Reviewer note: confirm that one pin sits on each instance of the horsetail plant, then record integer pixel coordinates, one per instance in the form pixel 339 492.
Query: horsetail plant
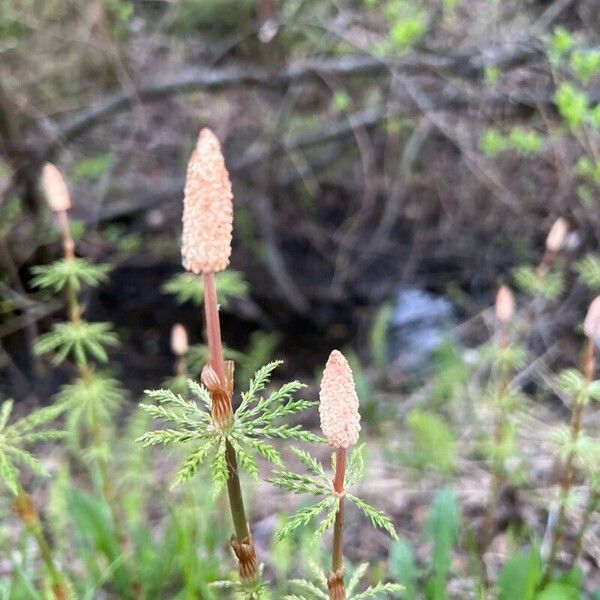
pixel 13 439
pixel 340 424
pixel 91 400
pixel 92 396
pixel 572 442
pixel 542 282
pixel 507 358
pixel 179 347
pixel 504 356
pixel 225 436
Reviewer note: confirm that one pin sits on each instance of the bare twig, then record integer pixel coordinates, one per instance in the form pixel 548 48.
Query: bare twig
pixel 467 64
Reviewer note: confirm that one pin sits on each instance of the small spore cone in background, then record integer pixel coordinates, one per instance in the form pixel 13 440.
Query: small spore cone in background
pixel 505 304
pixel 591 325
pixel 557 235
pixel 55 189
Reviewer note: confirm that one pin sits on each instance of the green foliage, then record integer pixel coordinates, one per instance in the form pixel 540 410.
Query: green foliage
pixel 327 506
pixel 378 336
pixel 214 17
pixel 573 383
pixel 259 351
pixel 492 74
pixel 121 12
pixel 408 23
pixel 10 212
pixel 307 590
pixel 69 273
pixel 15 437
pixel 407 31
pixel 341 100
pixel 586 64
pixel 244 590
pixel 588 269
pixel 567 446
pixel 403 568
pixel 505 358
pixel 520 576
pixel 549 286
pixel 450 374
pixel 493 142
pixel 589 168
pixel 434 444
pixel 524 142
pixel 562 41
pixel 187 287
pixel 125 241
pixel 589 449
pixel 572 104
pixel 377 519
pixel 317 484
pixel 441 528
pixel 96 536
pixel 80 339
pixel 90 401
pixel 94 167
pixel 257 418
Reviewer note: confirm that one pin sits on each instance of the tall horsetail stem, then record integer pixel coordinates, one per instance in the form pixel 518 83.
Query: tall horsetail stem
pixel 340 423
pixel 591 328
pixel 57 195
pixel 206 248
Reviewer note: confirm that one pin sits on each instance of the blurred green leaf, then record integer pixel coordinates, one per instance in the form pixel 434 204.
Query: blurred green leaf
pixel 572 104
pixel 92 168
pixel 403 568
pixel 441 528
pixel 520 576
pixel 434 445
pixel 562 41
pixel 586 64
pixel 407 31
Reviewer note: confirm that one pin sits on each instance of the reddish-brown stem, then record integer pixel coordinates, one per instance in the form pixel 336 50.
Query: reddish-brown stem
pixel 340 470
pixel 213 327
pixel 69 252
pixel 243 545
pixel 338 527
pixel 65 227
pixel 335 579
pixel 588 367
